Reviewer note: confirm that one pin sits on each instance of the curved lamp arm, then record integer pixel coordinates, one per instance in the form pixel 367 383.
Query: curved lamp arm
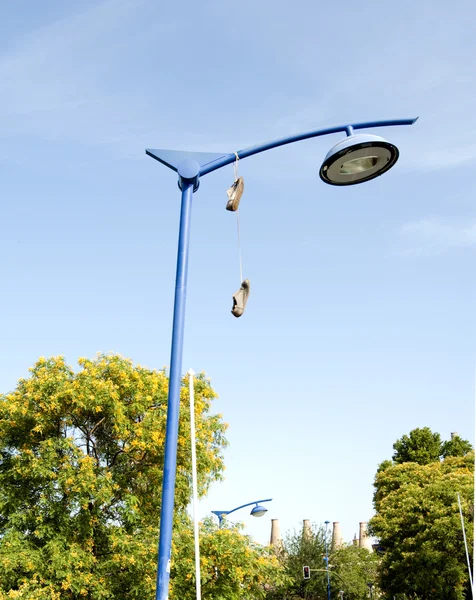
pixel 208 162
pixel 222 513
pixel 230 158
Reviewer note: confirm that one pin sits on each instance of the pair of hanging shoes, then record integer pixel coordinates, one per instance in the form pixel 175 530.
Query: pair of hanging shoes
pixel 240 299
pixel 234 194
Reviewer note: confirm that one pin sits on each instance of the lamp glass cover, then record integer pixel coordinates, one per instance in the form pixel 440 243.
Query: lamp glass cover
pixel 358 165
pixel 258 511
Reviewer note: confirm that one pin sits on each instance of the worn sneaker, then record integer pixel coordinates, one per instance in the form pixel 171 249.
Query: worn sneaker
pixel 240 299
pixel 234 194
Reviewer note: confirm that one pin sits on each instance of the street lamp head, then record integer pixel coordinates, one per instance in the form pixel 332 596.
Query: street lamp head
pixel 258 511
pixel 358 158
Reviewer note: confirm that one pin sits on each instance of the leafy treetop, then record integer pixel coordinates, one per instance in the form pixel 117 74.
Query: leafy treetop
pixel 81 458
pixel 422 446
pixel 233 566
pixel 417 519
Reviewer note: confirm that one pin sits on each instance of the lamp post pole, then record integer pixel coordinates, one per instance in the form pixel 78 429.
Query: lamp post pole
pixel 327 565
pixel 175 377
pixel 190 166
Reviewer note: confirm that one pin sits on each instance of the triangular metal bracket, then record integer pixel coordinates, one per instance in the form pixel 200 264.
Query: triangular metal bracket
pixel 172 158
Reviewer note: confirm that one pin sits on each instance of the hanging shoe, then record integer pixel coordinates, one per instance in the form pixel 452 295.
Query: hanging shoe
pixel 234 194
pixel 240 299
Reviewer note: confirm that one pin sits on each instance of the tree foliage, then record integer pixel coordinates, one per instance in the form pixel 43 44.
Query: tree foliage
pixel 307 547
pixel 421 446
pixel 350 568
pixel 300 548
pixel 81 458
pixel 353 569
pixel 233 566
pixel 456 446
pixel 417 522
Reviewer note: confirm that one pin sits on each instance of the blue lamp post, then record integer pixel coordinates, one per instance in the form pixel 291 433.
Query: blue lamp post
pixel 327 565
pixel 256 511
pixel 355 159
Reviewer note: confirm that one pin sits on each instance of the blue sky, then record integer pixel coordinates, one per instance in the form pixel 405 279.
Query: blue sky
pixel 360 325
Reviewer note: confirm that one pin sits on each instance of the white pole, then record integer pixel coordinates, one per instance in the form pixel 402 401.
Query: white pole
pixel 465 543
pixel 194 484
pixel 474 482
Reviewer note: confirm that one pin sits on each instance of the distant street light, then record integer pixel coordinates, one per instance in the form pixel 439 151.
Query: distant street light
pixel 327 566
pixel 256 511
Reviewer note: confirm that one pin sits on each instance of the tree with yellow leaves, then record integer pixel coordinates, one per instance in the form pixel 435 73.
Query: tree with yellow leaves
pixel 81 459
pixel 233 566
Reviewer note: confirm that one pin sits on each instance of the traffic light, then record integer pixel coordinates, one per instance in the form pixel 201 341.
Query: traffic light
pixel 306 572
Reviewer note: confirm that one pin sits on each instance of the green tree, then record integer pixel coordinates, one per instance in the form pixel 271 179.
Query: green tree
pixel 418 525
pixel 81 457
pixel 353 568
pixel 421 446
pixel 300 548
pixel 233 566
pixel 456 446
pixel 350 568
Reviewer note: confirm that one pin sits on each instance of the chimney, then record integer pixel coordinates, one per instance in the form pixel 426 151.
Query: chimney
pixel 337 539
pixel 306 529
pixel 275 540
pixel 364 540
pixel 355 541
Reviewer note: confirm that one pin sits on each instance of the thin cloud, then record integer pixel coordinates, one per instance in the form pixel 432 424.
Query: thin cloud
pixel 434 236
pixel 435 151
pixel 56 81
